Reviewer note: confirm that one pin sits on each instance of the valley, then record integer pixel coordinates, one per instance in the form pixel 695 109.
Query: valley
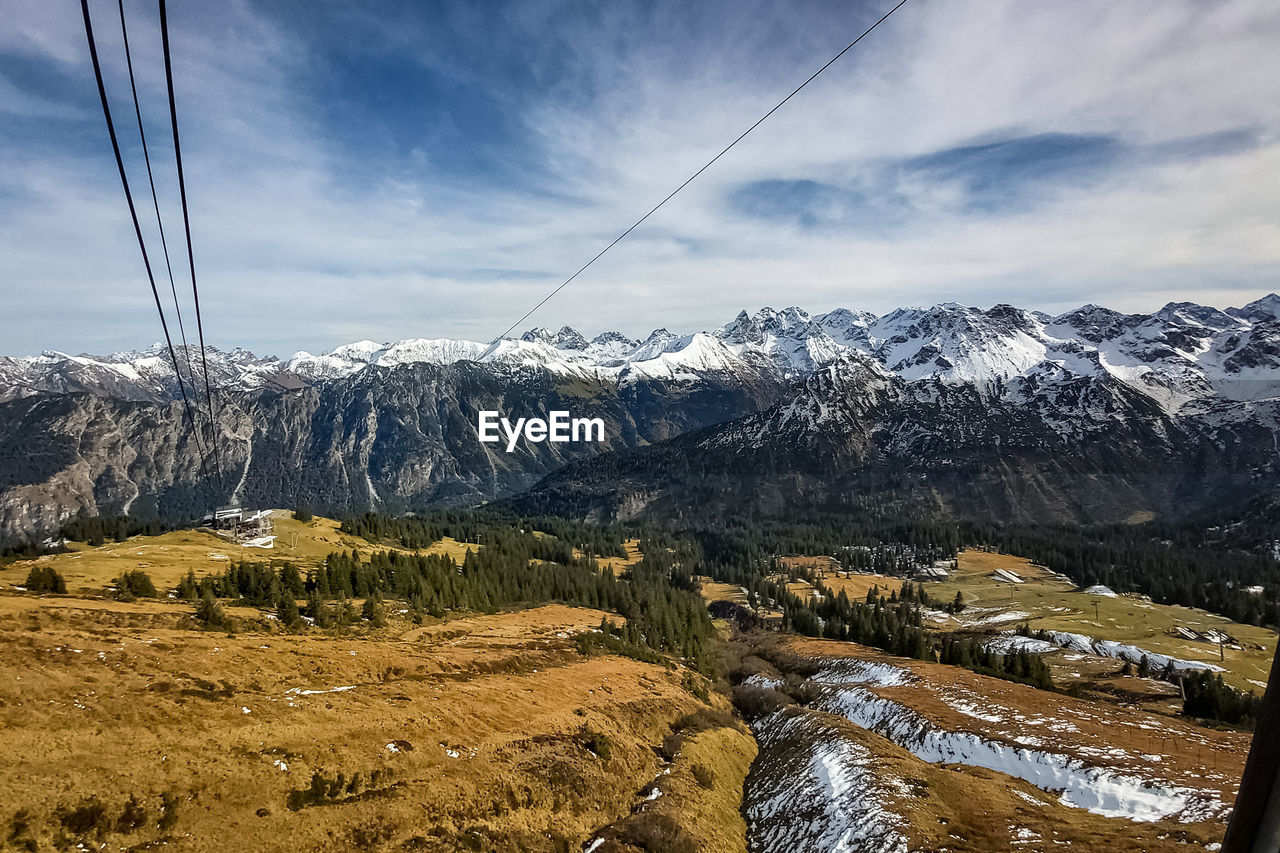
pixel 642 427
pixel 134 723
pixel 1127 625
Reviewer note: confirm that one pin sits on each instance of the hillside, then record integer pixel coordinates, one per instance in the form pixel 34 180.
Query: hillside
pixel 127 724
pixel 888 754
pixel 449 697
pixel 1123 626
pixel 1078 450
pixel 393 440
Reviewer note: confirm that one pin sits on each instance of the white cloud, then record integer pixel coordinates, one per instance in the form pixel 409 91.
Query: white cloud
pixel 299 245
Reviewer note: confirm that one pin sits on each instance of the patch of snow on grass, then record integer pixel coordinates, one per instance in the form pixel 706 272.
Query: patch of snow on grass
pixel 1006 616
pixel 297 691
pixel 1099 589
pixel 852 671
pixel 1012 643
pixel 969 705
pixel 1124 651
pixel 1023 795
pixel 824 797
pixel 1096 789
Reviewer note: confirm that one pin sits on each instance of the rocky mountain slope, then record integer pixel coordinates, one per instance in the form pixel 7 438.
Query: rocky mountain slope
pixel 1053 446
pixel 1091 414
pixel 386 439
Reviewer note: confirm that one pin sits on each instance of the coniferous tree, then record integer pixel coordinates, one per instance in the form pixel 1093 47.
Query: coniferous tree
pixel 210 613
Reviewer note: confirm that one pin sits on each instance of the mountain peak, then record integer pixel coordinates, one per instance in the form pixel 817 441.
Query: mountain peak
pixel 1259 310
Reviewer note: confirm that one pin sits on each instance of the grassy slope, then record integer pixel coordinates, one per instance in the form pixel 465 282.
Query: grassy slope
pixel 107 700
pixel 1055 604
pixel 166 558
pixel 965 808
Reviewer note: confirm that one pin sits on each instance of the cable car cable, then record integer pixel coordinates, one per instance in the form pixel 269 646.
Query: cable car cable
pixel 690 179
pixel 186 224
pixel 146 156
pixel 137 230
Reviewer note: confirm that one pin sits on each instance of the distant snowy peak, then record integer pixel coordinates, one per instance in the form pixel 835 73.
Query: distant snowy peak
pixel 790 338
pixel 567 338
pixel 849 328
pixel 1260 310
pixel 1181 355
pixel 1190 314
pixel 610 346
pixel 957 343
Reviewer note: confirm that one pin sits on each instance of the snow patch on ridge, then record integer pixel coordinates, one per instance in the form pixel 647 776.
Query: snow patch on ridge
pixel 1124 651
pixel 823 798
pixel 1096 789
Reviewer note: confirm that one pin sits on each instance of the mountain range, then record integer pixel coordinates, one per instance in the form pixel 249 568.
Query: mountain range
pixel 1089 415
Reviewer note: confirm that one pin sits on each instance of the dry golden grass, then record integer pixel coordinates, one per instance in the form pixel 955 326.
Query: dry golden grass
pixel 1055 604
pixel 711 816
pixel 965 808
pixel 168 557
pixel 820 562
pixel 717 591
pixel 477 730
pixel 619 564
pixel 857 586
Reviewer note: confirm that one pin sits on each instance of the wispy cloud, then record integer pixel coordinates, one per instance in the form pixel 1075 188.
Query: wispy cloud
pixel 385 170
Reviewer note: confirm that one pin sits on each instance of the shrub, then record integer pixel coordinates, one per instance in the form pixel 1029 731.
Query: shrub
pixel 86 818
pixel 373 612
pixel 20 833
pixel 704 775
pixel 302 514
pixel 134 583
pixel 133 817
pixel 1207 696
pixel 210 613
pixel 168 811
pixel 598 743
pixel 188 588
pixel 373 833
pixel 754 702
pixel 748 666
pixel 589 643
pixel 287 611
pixel 654 832
pixel 45 579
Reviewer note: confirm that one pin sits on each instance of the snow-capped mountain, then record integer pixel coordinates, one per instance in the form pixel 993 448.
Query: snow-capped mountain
pixel 1049 445
pixel 145 375
pixel 1182 355
pixel 1091 414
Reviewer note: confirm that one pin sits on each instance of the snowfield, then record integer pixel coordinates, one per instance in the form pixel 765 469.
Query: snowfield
pixel 853 671
pixel 1179 357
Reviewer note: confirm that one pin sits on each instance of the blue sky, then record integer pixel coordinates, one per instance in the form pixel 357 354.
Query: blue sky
pixel 392 170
